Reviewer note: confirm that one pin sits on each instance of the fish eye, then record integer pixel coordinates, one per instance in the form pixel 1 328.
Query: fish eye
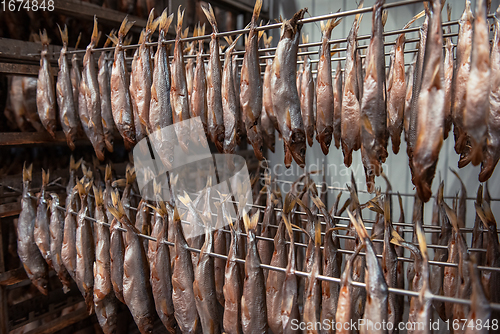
pixel 255 123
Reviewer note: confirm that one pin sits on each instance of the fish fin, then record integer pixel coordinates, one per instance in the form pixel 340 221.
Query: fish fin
pixel 290 201
pixel 141 40
pixel 201 31
pixel 108 174
pixel 152 23
pixel 359 226
pixel 180 20
pixel 373 206
pixel 27 172
pixel 44 38
pixel 250 223
pixel 45 177
pixel 128 40
pixel 98 195
pixel 422 243
pixel 120 183
pixel 130 174
pixel 209 13
pixel 396 239
pixel 125 27
pixel 78 40
pixel 385 13
pixel 95 33
pixel 113 39
pixel 64 34
pixel 256 11
pixel 108 40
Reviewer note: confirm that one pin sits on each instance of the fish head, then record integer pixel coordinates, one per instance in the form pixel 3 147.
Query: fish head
pixel 298 147
pixel 254 135
pixel 42 284
pixel 423 174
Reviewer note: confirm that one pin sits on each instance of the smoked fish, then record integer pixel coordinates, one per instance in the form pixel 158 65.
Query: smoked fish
pixel 477 102
pixel 215 113
pixel 41 231
pixel 267 97
pixel 480 312
pixel 104 79
pixel 337 104
pixel 198 101
pixel 68 250
pixel 121 103
pixel 307 94
pixel 430 108
pixel 90 110
pixel 286 101
pixel 56 228
pixel 324 90
pixel 45 94
pixel 373 119
pixel 178 90
pixel 491 153
pixel 76 77
pixel 29 254
pixel 67 110
pixel 251 85
pixel 350 111
pixel 448 77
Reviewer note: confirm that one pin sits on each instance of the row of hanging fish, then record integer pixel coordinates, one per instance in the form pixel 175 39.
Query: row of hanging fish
pixel 95 242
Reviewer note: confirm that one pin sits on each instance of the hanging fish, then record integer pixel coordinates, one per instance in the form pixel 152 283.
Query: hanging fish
pixel 104 79
pixel 220 247
pixel 324 90
pixel 312 294
pixel 267 97
pixel 251 85
pixel 477 102
pixel 161 271
pixel 215 114
pixel 350 112
pixel 121 104
pixel 41 231
pixel 141 79
pixel 337 104
pixel 410 73
pixel 89 105
pixel 430 107
pixel 461 77
pixel 56 240
pixel 117 253
pixel 373 119
pixel 265 247
pixel 178 90
pixel 160 111
pixel 105 302
pixel 190 65
pixel 76 77
pixel 491 153
pixel 307 95
pixel 29 254
pixel 136 287
pixel 397 89
pixel 45 94
pixel 448 77
pixel 67 110
pixel 480 311
pixel 68 250
pixel 286 102
pixel 199 94
pixel 231 115
pixel 478 240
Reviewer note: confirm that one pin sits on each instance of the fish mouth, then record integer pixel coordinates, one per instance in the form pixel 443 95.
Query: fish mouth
pixel 487 167
pixel 422 179
pixel 298 147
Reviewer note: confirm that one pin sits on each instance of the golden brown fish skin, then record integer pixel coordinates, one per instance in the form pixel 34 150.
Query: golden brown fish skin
pixel 76 77
pixel 430 109
pixel 461 76
pixel 350 111
pixel 64 92
pixel 253 301
pixel 142 221
pixel 374 133
pixel 286 102
pixel 215 113
pixel 408 97
pixel 29 254
pixel 312 295
pixel 275 280
pixel 190 70
pixel 233 287
pixel 45 94
pixel 230 113
pixel 307 99
pixel 89 87
pixel 105 302
pixel 337 104
pixel 41 231
pixel 324 91
pixel 220 246
pixel 264 247
pixel 477 102
pixel 242 132
pixel 251 86
pixel 68 250
pixel 121 104
pixel 179 91
pixel 491 153
pixel 136 285
pixel 199 94
pixel 85 251
pixel 104 79
pixel 289 304
pixel 142 78
pixel 344 304
pixel 480 311
pixel 448 80
pixel 117 253
pixel 161 281
pixel 182 284
pixel 56 240
pixel 267 98
pixel 268 130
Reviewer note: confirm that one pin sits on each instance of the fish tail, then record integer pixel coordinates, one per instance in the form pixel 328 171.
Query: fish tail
pixel 358 225
pixel 201 30
pixel 125 27
pixel 209 13
pixel 165 21
pixel 108 39
pixel 27 172
pixel 358 17
pixel 152 23
pixel 44 38
pixel 452 216
pixel 317 233
pixel 422 243
pixel 108 174
pixel 113 38
pixel 180 20
pixel 251 223
pixel 45 177
pixel 74 165
pixel 64 34
pixel 416 17
pixel 99 199
pixel 95 33
pixel 476 153
pixel 142 36
pixel 256 12
pixel 130 174
pixel 78 40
